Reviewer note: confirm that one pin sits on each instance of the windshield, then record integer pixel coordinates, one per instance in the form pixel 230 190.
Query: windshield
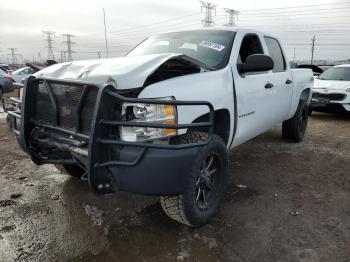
pixel 336 73
pixel 211 47
pixel 2 72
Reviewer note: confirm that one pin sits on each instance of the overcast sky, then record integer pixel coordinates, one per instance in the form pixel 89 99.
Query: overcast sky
pixel 130 21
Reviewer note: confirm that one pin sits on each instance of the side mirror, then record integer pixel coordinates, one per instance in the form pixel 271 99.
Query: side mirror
pixel 256 63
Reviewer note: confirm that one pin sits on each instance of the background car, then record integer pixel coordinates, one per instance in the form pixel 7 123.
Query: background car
pixel 6 83
pixel 21 73
pixel 6 68
pixel 332 90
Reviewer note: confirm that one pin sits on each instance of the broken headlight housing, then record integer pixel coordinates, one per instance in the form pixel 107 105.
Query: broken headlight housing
pixel 152 113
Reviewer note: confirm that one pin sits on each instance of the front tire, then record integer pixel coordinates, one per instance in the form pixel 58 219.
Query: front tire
pixel 294 128
pixel 206 185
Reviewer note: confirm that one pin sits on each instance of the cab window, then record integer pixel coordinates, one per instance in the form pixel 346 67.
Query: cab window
pixel 275 52
pixel 251 45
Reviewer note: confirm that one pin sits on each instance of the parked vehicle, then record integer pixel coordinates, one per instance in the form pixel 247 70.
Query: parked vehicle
pixel 14 67
pixel 6 68
pixel 160 120
pixel 19 75
pixel 6 85
pixel 332 91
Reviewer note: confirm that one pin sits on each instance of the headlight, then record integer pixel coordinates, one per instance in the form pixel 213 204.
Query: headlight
pixel 153 113
pixel 348 90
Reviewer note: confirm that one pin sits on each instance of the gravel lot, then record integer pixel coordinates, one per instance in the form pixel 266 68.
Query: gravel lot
pixel 285 202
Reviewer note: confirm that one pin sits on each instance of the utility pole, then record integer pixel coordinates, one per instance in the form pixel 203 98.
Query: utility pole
pixel 49 35
pixel 313 40
pixel 294 55
pixel 104 22
pixel 209 9
pixel 69 46
pixel 13 55
pixel 232 16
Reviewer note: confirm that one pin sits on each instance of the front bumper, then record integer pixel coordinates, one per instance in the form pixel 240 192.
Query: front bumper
pixel 12 106
pixel 327 103
pixel 111 164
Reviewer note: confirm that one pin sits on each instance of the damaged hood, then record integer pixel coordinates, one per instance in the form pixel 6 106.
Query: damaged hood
pixel 122 72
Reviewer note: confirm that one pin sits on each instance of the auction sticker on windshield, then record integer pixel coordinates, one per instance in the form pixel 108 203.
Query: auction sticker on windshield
pixel 212 45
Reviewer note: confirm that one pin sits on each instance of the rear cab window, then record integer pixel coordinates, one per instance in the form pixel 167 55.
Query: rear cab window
pixel 275 52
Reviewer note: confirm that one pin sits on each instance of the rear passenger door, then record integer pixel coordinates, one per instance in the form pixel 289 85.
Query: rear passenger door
pixel 280 78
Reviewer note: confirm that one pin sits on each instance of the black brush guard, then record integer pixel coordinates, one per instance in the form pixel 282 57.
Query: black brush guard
pixel 12 106
pixel 112 164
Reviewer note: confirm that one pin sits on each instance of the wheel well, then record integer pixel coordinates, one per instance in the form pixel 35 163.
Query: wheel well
pixel 305 95
pixel 221 123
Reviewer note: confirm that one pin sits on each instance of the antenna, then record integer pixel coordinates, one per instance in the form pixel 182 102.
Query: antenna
pixel 13 55
pixel 209 8
pixel 104 22
pixel 232 16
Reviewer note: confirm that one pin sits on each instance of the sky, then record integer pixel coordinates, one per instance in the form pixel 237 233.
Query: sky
pixel 128 22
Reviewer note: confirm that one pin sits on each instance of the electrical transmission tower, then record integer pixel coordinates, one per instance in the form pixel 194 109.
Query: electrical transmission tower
pixel 69 43
pixel 13 55
pixel 232 16
pixel 49 40
pixel 209 9
pixel 313 40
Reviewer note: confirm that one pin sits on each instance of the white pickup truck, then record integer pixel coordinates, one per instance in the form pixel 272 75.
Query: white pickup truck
pixel 160 120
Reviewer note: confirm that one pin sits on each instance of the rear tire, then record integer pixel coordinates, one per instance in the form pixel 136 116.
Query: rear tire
pixel 71 170
pixel 206 185
pixel 294 128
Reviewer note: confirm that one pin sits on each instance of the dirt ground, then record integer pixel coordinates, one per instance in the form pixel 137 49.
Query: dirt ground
pixel 285 202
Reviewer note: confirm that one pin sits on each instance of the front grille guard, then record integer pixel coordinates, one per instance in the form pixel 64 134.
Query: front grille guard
pixel 12 107
pixel 99 162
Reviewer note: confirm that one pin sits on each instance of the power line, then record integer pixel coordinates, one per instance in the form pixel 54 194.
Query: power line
pixel 296 11
pixel 323 44
pixel 153 24
pixel 69 46
pixel 281 17
pixel 209 9
pixel 292 7
pixel 49 35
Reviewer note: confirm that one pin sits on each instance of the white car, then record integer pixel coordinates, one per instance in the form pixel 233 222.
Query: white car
pixel 332 90
pixel 19 75
pixel 160 120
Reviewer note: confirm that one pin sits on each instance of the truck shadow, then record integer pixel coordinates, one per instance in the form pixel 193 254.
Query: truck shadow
pixel 129 227
pixel 330 116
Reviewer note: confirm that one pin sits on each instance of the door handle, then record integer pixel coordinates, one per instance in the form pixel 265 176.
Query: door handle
pixel 288 82
pixel 268 85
